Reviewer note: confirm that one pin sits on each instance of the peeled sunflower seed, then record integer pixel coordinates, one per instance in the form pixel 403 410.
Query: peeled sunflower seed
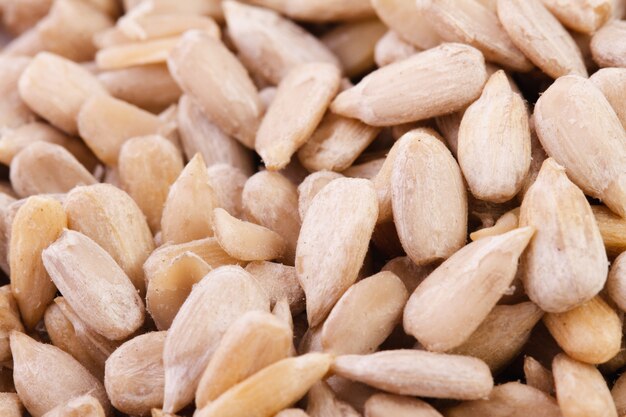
pixel 616 282
pixel 13 111
pixel 384 405
pixel 319 11
pixel 457 80
pixel 9 321
pixel 141 28
pixel 537 376
pixel 134 374
pixel 618 394
pixel 225 92
pixel 584 16
pixel 127 55
pixel 10 405
pixel 608 45
pixel 220 298
pixel 94 285
pixel 418 373
pixel 410 274
pixel 408 21
pixel 428 198
pixel 46 377
pixel 612 228
pixel 392 48
pixel 381 299
pixel 292 412
pixel 568 130
pixel 83 406
pixel 194 7
pixel 19 17
pixel 271 389
pixel 55 88
pixel 612 82
pixel 311 186
pixel 253 342
pixel 227 182
pixel 322 402
pixel 36 225
pixel 473 279
pixel 333 242
pixel 565 264
pixel 271 44
pixel 280 282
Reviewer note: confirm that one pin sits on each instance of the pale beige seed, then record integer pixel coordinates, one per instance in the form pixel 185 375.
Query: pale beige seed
pixel 537 376
pixel 94 285
pixel 83 406
pixel 385 405
pixel 333 241
pixel 470 22
pixel 449 126
pixel 311 186
pixel 55 88
pixel 505 223
pixel 353 43
pixel 580 389
pixel 502 335
pixel 150 87
pixel 253 342
pixel 353 393
pixel 47 168
pixel 319 11
pixel 574 120
pixel 134 374
pixel 584 16
pixel 322 402
pixel 365 315
pixel 169 286
pixel 271 389
pixel 110 37
pixel 616 282
pixel 292 412
pixel 410 274
pixel 271 200
pixel 13 111
pixel 608 45
pixel 538 156
pixel 106 123
pixel 199 134
pixel 37 224
pixel 18 17
pixel 113 220
pixel 148 165
pixel 206 70
pixel 565 264
pixel 127 55
pixel 537 33
pixel 280 282
pixel 301 100
pixel 428 198
pixel 418 373
pixel 512 399
pixel 392 48
pixel 409 21
pixel 27 44
pixel 68 29
pixel 612 83
pixel 227 183
pixel 473 280
pixel 156 412
pixel 366 170
pixel 187 213
pixel 145 27
pixel 618 392
pixel 442 80
pixel 244 240
pixel 271 44
pixel 336 143
pixel 194 7
pixel 10 405
pixel 590 333
pixel 494 146
pixel 220 298
pixel 9 321
pixel 46 377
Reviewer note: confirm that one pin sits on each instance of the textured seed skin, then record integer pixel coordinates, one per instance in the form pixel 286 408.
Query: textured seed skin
pixel 565 263
pixel 428 199
pixel 612 82
pixel 408 21
pixel 333 242
pixel 608 46
pixel 311 186
pixel 584 16
pixel 392 48
pixel 474 279
pixel 574 120
pixel 10 405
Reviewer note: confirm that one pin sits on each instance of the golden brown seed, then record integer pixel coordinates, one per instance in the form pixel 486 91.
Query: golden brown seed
pixel 502 335
pixel 46 377
pixel 224 92
pixel 619 395
pixel 322 402
pixel 580 389
pixel 37 224
pixel 428 198
pixel 301 100
pixel 148 165
pixel 271 389
pixel 13 111
pixel 319 11
pixel 134 374
pixel 537 376
pixel 473 280
pixel 227 182
pixel 84 406
pixel 616 282
pixel 270 44
pixel 392 48
pixel 608 46
pixel 505 223
pixel 418 373
pixel 612 228
pixel 383 97
pixel 94 285
pixel 10 405
pixel 333 242
pixel 253 342
pixel 220 298
pixel 199 134
pixel 379 298
pixel 565 264
pixel 280 282
pixel 573 120
pixel 512 399
pixel 612 82
pixel 584 16
pixel 590 333
pixel 55 88
pixel 9 321
pixel 384 405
